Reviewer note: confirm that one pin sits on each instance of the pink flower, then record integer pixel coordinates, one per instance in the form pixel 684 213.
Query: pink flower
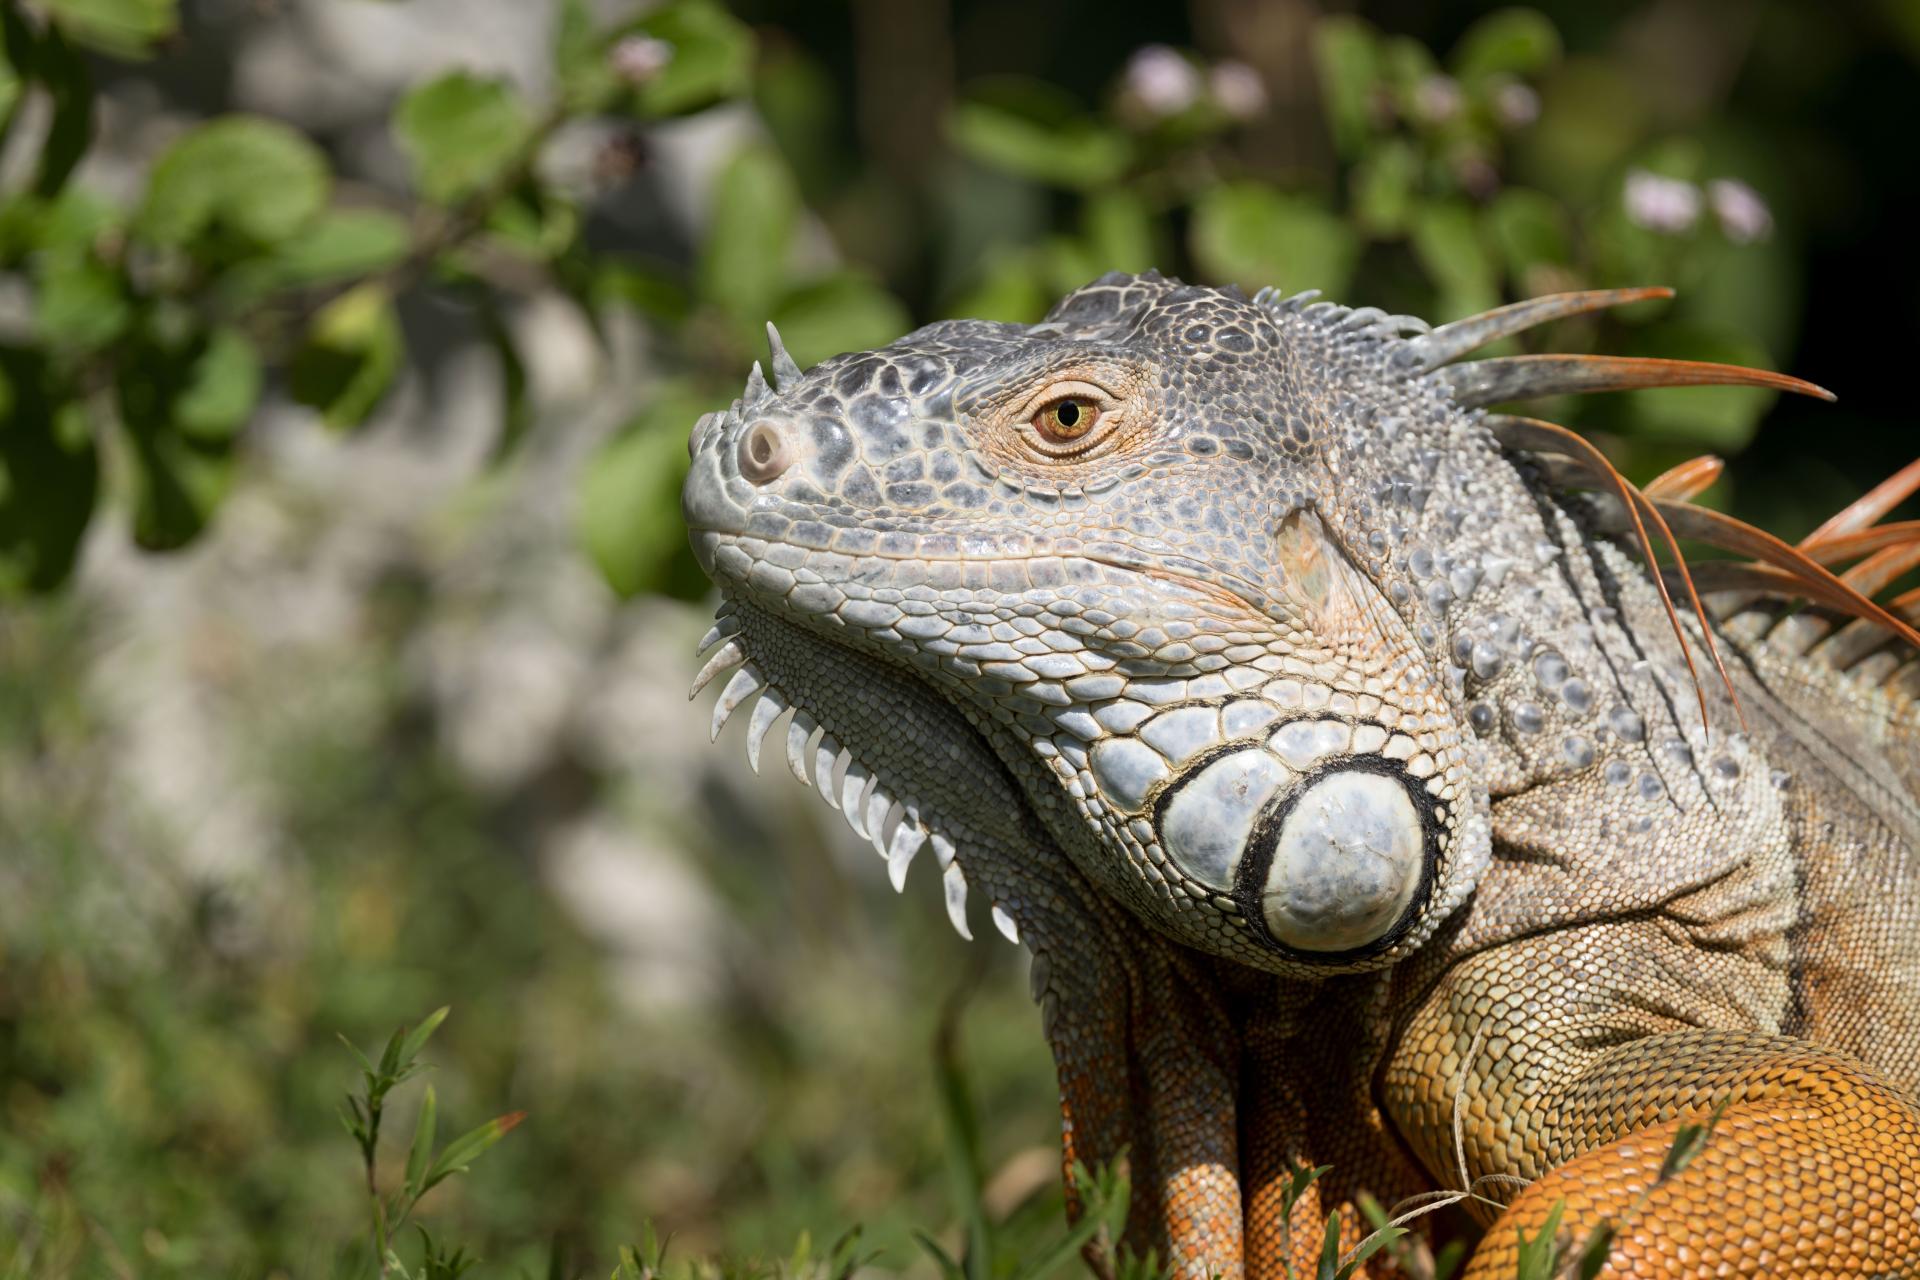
pixel 638 59
pixel 1516 104
pixel 1238 90
pixel 1666 205
pixel 1162 81
pixel 1743 215
pixel 1437 99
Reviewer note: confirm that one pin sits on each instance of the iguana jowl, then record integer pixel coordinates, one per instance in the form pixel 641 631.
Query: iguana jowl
pixel 1344 774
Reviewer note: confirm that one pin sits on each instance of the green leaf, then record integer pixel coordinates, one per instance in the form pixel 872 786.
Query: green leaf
pixel 1717 419
pixel 242 174
pixel 844 312
pixel 1253 235
pixel 1328 1267
pixel 80 303
pixel 1539 1255
pixel 465 1149
pixel 962 1147
pixel 1531 230
pixel 49 474
pixel 1032 129
pixel 650 291
pixel 743 262
pixel 1515 42
pixel 1009 290
pixel 63 71
pixel 1448 246
pixel 1593 1256
pixel 538 223
pixel 223 386
pixel 420 1156
pixel 178 486
pixel 124 28
pixel 949 1269
pixel 1384 183
pixel 1346 54
pixel 340 245
pixel 1374 1243
pixel 1100 1190
pixel 350 357
pixel 1119 231
pixel 629 512
pixel 460 131
pixel 1690 1140
pixel 16 63
pixel 516 412
pixel 416 1039
pixel 580 54
pixel 712 58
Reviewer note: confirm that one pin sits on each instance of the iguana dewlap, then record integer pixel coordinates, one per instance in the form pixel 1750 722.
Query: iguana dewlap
pixel 1345 774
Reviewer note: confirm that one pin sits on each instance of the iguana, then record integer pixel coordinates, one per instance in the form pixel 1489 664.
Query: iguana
pixel 1335 746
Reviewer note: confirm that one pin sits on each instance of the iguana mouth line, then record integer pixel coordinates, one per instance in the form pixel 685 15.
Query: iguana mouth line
pixel 1235 593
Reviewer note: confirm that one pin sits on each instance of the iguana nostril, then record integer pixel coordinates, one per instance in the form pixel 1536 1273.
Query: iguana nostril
pixel 764 453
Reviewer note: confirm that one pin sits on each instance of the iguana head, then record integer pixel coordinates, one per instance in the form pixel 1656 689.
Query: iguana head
pixel 1167 554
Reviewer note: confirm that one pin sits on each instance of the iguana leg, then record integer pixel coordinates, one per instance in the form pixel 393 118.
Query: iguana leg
pixel 1148 1063
pixel 1306 1102
pixel 1813 1168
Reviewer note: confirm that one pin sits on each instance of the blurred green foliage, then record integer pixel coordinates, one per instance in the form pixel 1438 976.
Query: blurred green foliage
pixel 1449 183
pixel 168 1091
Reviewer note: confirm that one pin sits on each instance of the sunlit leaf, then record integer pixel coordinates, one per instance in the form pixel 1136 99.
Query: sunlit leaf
pixel 16 63
pixel 342 244
pixel 629 514
pixel 80 302
pixel 1119 230
pixel 844 312
pixel 712 58
pixel 1384 187
pixel 178 486
pixel 1450 249
pixel 1032 129
pixel 743 261
pixel 242 174
pixel 351 354
pixel 1254 235
pixel 1009 290
pixel 1531 229
pixel 1346 55
pixel 125 28
pixel 1715 419
pixel 420 1154
pixel 465 1149
pixel 460 130
pixel 223 386
pixel 1509 41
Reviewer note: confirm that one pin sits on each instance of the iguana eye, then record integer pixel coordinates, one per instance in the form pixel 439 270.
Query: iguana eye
pixel 1067 419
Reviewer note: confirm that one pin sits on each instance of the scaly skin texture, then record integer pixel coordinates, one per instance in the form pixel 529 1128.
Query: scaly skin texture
pixel 1345 779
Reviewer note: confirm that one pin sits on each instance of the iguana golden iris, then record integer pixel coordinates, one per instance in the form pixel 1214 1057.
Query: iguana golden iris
pixel 1337 750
